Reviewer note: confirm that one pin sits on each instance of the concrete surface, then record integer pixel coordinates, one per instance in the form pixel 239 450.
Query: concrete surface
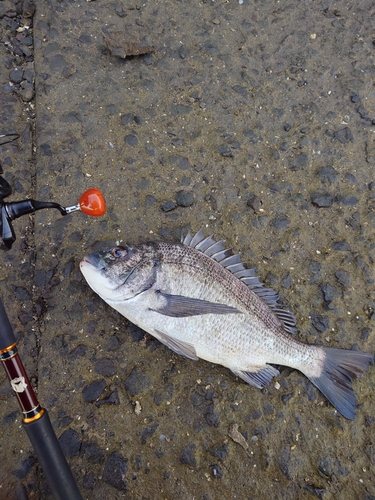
pixel 253 120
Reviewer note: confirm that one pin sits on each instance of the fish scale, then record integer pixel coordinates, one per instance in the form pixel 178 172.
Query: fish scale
pixel 200 300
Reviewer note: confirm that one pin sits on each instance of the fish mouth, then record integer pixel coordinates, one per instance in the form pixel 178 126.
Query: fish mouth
pixel 94 261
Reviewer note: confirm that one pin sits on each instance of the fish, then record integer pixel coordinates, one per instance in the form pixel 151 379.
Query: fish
pixel 199 299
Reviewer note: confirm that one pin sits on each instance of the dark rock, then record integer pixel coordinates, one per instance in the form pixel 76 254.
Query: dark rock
pixel 300 161
pixel 21 293
pixel 216 471
pixel 284 462
pixel 210 395
pixel 329 467
pixel 199 167
pixel 137 382
pixel 78 352
pixel 20 491
pixel 365 334
pixel 239 89
pixel 254 202
pixel 148 432
pixel 320 323
pixel 363 113
pixel 16 75
pixel 25 318
pixel 322 200
pixel 136 333
pixel 342 246
pixel 329 292
pixel 114 471
pixel 287 281
pixel 88 481
pixel 94 454
pixel 105 367
pixel 187 455
pixel 254 415
pixel 197 399
pixel 325 468
pixel 275 154
pixel 344 136
pixel 27 93
pixel 112 399
pixel 57 63
pixel 28 9
pixel 127 119
pixel 164 395
pixel 70 443
pixel 211 417
pixel 168 206
pixel 328 175
pixel 226 151
pixel 343 277
pixel 93 391
pixel 150 200
pixel 184 199
pixel 221 453
pixel 46 148
pixel 72 117
pixel 250 134
pixel 268 409
pixel 26 465
pixel 259 430
pixel 51 48
pixel 180 109
pixel 351 178
pixel 180 161
pixel 182 51
pixel 131 140
pixel 355 98
pixel 65 421
pixel 348 200
pixel 281 222
pixel 285 397
pixel 10 418
pixel 287 127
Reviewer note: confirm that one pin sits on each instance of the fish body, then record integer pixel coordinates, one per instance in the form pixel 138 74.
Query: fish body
pixel 200 300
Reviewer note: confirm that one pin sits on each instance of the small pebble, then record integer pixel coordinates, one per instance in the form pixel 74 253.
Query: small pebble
pixel 184 199
pixel 115 468
pixel 93 391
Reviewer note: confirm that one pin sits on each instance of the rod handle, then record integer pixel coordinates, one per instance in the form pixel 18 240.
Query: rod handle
pixel 48 450
pixel 7 337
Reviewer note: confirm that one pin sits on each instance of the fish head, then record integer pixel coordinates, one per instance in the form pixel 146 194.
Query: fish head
pixel 119 273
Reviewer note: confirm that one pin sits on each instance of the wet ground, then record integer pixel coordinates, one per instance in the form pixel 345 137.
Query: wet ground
pixel 253 120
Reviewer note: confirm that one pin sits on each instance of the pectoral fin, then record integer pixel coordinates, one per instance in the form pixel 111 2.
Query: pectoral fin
pixel 178 306
pixel 178 346
pixel 260 376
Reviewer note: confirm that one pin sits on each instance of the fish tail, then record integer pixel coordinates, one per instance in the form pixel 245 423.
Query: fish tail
pixel 340 368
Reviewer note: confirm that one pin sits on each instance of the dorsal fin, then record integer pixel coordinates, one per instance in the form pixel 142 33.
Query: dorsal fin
pixel 232 262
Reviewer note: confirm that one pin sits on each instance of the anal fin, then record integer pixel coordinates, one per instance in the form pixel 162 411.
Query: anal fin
pixel 258 376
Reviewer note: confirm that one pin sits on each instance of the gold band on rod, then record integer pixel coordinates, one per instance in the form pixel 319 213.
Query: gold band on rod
pixel 35 417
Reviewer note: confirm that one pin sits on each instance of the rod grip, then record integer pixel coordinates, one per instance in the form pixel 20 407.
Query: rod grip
pixel 55 467
pixel 7 337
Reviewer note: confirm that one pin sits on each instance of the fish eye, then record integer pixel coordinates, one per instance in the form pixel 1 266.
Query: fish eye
pixel 119 252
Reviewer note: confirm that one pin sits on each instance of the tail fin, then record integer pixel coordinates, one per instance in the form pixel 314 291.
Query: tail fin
pixel 340 368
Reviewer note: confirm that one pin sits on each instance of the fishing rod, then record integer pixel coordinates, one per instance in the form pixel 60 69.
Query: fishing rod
pixel 36 421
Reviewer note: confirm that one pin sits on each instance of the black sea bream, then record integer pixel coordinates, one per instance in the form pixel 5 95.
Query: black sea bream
pixel 198 299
